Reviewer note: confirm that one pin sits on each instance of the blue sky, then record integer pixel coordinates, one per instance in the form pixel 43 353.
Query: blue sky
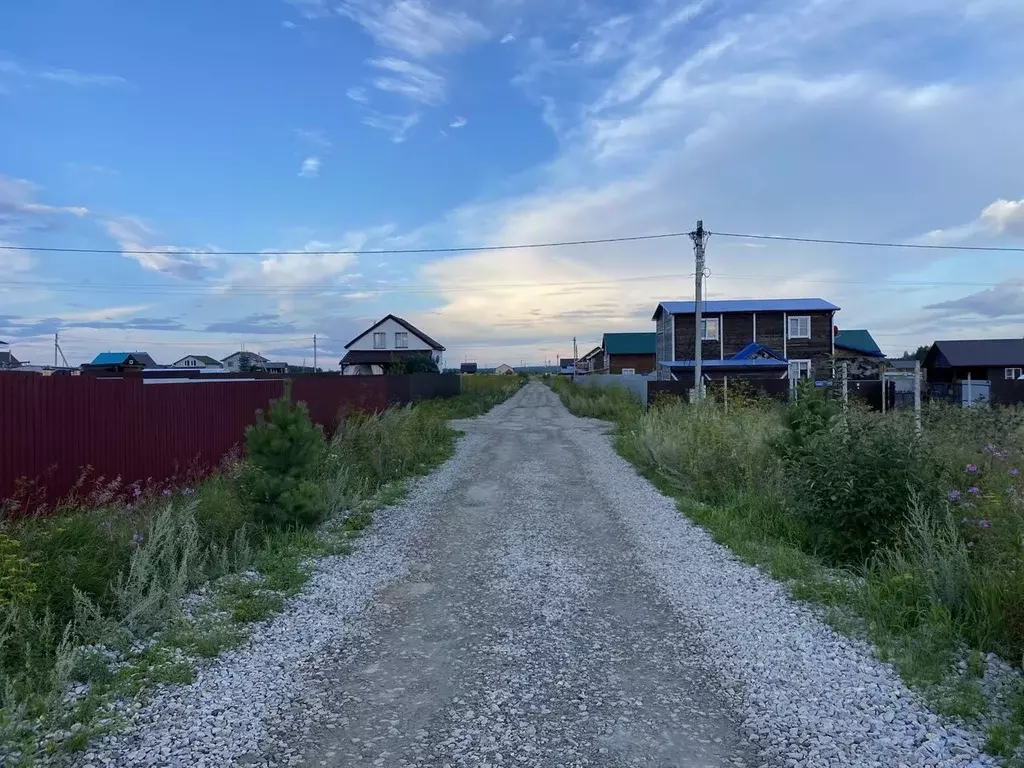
pixel 266 125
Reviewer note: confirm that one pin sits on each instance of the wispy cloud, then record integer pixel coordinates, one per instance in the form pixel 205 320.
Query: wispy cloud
pixel 358 94
pixel 311 9
pixel 133 234
pixel 508 38
pixel 397 126
pixel 414 81
pixel 1005 300
pixel 70 77
pixel 458 122
pixel 414 27
pixel 310 168
pixel 314 138
pixel 20 211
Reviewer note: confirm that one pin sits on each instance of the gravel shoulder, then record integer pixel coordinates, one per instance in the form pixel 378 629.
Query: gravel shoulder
pixel 535 602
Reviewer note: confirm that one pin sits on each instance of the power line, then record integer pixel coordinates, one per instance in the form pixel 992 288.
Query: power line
pixel 872 243
pixel 509 246
pixel 255 290
pixel 373 252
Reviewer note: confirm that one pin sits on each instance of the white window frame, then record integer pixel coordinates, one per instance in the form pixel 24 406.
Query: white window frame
pixel 380 340
pixel 629 371
pixel 1013 373
pixel 797 335
pixel 704 335
pixel 799 366
pixel 401 339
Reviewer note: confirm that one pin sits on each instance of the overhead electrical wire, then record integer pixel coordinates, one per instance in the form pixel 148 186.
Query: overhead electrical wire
pixel 511 246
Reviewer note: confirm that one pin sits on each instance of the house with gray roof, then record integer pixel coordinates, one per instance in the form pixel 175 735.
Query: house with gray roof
pixel 979 359
pixel 194 362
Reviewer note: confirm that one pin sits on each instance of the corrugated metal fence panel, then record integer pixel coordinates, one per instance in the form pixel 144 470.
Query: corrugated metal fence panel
pixel 328 396
pixel 54 427
pixel 190 425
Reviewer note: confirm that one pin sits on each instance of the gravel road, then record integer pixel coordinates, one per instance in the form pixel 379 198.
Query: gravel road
pixel 536 603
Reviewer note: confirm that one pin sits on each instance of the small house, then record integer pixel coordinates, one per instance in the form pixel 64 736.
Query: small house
pixel 964 370
pixel 7 359
pixel 504 370
pixel 468 369
pixel 119 362
pixel 194 362
pixel 387 344
pixel 858 350
pixel 592 362
pixel 629 353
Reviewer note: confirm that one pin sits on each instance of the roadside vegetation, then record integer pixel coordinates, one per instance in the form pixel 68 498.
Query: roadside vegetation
pixel 128 587
pixel 912 540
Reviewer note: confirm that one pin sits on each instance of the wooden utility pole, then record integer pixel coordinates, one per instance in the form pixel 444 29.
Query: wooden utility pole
pixel 314 354
pixel 700 239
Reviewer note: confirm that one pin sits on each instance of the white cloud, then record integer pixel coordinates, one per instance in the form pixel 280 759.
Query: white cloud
pixel 755 122
pixel 458 122
pixel 310 168
pixel 20 211
pixel 1002 217
pixel 396 126
pixel 413 27
pixel 135 238
pixel 358 95
pixel 508 38
pixel 414 81
pixel 289 25
pixel 70 77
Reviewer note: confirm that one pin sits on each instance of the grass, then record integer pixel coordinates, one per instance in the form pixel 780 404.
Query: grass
pixel 914 542
pixel 114 574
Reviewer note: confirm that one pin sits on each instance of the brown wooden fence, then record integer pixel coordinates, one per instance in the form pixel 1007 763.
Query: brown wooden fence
pixel 56 429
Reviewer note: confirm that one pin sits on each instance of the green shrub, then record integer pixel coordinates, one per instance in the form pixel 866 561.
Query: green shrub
pixel 852 479
pixel 284 449
pixel 16 583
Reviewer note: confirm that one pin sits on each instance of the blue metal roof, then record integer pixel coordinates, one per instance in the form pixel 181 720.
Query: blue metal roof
pixel 725 306
pixel 756 362
pixel 110 358
pixel 752 349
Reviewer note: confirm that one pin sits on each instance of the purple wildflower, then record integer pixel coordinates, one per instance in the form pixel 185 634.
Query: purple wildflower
pixel 1014 472
pixel 187 491
pixel 137 539
pixel 972 469
pixel 136 491
pixel 984 524
pixel 167 491
pixel 990 448
pixel 974 490
pixel 954 495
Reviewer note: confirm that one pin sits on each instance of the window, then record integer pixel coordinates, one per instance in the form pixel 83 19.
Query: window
pixel 709 329
pixel 799 369
pixel 800 327
pixel 629 371
pixel 401 340
pixel 1013 373
pixel 380 341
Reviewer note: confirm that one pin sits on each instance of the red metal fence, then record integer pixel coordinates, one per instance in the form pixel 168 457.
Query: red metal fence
pixel 52 428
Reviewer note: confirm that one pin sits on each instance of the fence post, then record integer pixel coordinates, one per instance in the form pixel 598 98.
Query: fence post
pixel 846 383
pixel 970 398
pixel 917 396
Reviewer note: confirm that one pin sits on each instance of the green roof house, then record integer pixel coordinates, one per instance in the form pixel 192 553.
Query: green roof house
pixel 628 353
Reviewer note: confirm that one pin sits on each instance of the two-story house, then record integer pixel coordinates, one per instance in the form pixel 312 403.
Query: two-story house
pixel 766 338
pixel 386 343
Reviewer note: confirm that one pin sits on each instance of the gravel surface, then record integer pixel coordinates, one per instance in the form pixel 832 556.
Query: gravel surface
pixel 535 602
